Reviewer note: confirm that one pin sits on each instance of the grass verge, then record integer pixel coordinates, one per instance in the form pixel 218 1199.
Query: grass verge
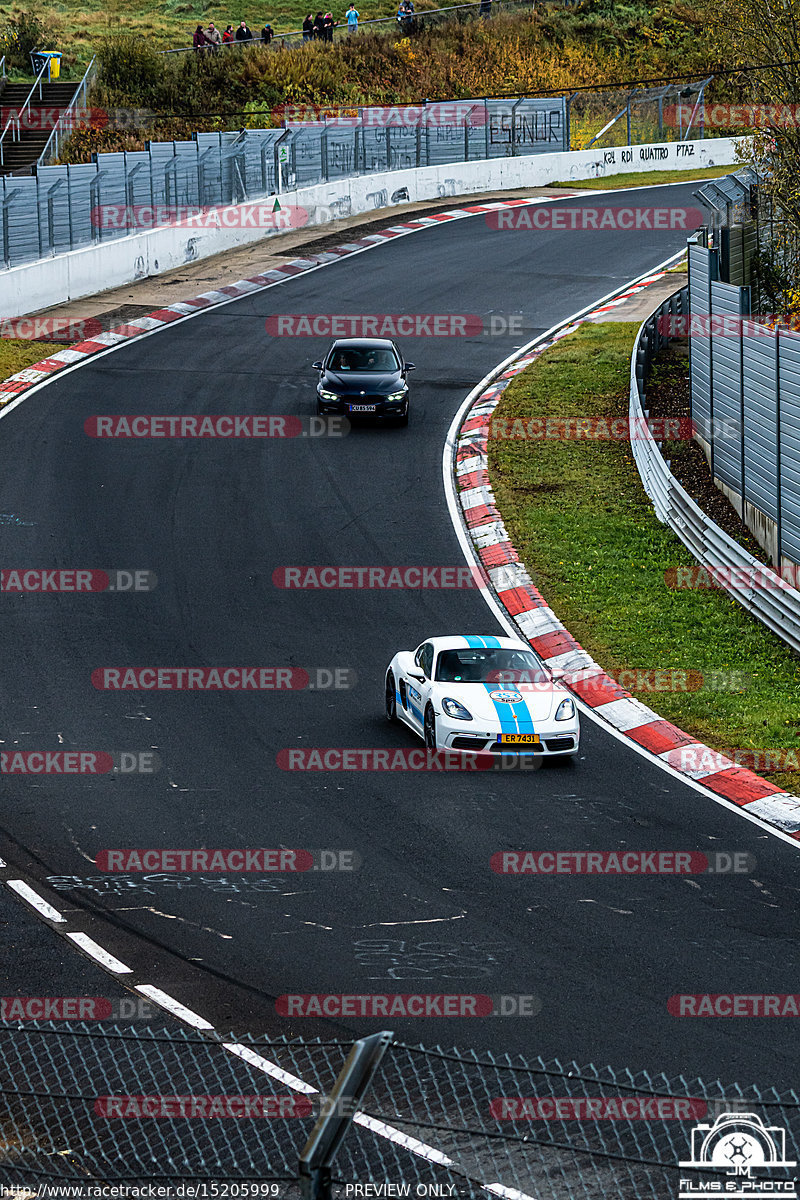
pixel 584 527
pixel 646 178
pixel 16 354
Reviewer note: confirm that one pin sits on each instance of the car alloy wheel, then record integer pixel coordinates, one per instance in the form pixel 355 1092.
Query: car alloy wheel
pixel 391 699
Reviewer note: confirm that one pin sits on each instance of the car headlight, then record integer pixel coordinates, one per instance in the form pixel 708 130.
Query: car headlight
pixel 397 395
pixel 565 710
pixel 323 395
pixel 454 709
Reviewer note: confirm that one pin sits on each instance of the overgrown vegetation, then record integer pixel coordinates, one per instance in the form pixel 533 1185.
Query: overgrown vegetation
pixel 584 527
pixel 23 32
pixel 549 48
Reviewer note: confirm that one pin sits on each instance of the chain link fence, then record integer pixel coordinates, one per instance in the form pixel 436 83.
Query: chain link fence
pixel 72 1099
pixel 61 208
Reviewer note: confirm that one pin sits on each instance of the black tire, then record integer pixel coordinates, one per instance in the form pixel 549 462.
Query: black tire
pixel 320 410
pixel 403 421
pixel 391 699
pixel 430 728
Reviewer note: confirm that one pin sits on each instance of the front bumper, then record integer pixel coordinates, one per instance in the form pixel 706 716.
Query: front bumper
pixel 552 741
pixel 363 406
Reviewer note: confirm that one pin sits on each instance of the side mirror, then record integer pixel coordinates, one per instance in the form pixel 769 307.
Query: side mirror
pixel 317 366
pixel 410 367
pixel 419 678
pixel 557 674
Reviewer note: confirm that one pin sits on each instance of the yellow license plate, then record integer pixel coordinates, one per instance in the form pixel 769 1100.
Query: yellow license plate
pixel 518 739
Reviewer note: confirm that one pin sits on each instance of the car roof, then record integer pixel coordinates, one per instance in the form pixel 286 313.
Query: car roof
pixel 481 641
pixel 363 344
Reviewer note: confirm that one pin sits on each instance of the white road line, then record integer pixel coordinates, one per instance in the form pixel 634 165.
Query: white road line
pixel 173 1006
pixel 270 1068
pixel 101 956
pixel 500 614
pixel 35 900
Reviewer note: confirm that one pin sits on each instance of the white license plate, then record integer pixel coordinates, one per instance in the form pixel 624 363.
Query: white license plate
pixel 363 407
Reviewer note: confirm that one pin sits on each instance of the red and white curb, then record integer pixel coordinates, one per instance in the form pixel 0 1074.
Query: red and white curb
pixel 529 611
pixel 20 383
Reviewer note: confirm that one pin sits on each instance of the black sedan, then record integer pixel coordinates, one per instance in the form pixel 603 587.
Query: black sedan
pixel 364 377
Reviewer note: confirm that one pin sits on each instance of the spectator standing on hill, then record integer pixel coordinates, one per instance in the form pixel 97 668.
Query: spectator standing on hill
pixel 318 31
pixel 227 35
pixel 352 19
pixel 327 27
pixel 243 33
pixel 213 37
pixel 308 28
pixel 199 39
pixel 267 33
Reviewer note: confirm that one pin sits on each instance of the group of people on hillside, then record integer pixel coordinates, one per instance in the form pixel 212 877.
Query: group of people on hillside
pixel 212 39
pixel 315 28
pixel 320 28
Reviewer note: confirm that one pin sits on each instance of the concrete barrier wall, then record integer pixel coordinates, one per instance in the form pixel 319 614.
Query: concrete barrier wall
pixel 51 281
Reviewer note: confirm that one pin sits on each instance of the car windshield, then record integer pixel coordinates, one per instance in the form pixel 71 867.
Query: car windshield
pixel 367 358
pixel 501 667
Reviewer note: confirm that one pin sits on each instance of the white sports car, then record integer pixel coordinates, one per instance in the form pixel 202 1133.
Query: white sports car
pixel 482 694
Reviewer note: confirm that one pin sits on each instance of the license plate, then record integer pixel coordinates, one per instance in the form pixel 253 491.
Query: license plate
pixel 362 407
pixel 518 739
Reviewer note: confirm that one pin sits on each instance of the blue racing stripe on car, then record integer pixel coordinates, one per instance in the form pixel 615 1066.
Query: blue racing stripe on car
pixel 504 712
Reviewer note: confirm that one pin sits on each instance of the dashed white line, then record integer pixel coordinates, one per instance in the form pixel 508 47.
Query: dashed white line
pixel 35 900
pixel 173 1006
pixel 101 956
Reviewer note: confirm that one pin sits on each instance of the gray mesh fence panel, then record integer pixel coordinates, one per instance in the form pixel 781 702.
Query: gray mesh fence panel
pixel 789 373
pixel 259 160
pixel 306 154
pixel 21 231
pixel 702 269
pixel 186 171
pixel 340 149
pixel 760 420
pixel 54 214
pixel 83 197
pixel 727 301
pixel 110 192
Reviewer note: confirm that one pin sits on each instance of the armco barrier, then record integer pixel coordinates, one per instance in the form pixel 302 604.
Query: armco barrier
pixel 84 272
pixel 778 606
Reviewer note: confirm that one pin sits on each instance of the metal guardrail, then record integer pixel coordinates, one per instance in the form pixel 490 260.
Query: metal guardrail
pixel 776 606
pixel 280 40
pixel 66 124
pixel 3 67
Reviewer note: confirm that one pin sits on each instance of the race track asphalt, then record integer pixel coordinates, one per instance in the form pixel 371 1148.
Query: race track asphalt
pixel 214 519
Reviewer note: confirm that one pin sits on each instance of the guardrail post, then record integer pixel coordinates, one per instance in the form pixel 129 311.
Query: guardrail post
pixel 6 242
pixel 337 1114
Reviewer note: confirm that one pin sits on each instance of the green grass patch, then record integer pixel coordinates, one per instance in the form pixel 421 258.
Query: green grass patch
pixel 646 178
pixel 17 354
pixel 585 529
